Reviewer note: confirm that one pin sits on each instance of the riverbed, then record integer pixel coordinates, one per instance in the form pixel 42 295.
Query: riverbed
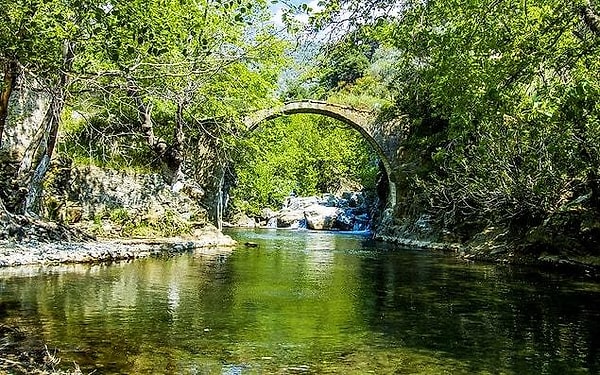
pixel 307 302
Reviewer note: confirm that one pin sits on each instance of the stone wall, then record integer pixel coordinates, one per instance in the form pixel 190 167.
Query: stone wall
pixel 77 194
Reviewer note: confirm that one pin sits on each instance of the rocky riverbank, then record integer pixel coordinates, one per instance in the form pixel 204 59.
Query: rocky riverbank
pixel 493 245
pixel 489 250
pixel 35 252
pixel 349 211
pixel 26 241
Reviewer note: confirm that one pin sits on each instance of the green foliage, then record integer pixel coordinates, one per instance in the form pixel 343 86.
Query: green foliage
pixel 344 62
pixel 504 97
pixel 209 59
pixel 95 141
pixel 305 154
pixel 168 224
pixel 203 54
pixel 513 82
pixel 119 215
pixel 32 32
pixel 350 71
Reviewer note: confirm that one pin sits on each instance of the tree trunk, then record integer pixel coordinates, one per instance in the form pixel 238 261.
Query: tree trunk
pixel 8 84
pixel 37 157
pixel 3 210
pixel 6 218
pixel 144 110
pixel 174 157
pixel 170 155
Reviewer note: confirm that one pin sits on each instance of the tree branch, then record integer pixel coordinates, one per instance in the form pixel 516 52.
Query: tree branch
pixel 590 18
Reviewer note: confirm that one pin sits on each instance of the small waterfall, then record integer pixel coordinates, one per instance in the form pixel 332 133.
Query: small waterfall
pixel 361 226
pixel 299 224
pixel 272 223
pixel 302 224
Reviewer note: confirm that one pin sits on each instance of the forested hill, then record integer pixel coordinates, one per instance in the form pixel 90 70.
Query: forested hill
pixel 500 99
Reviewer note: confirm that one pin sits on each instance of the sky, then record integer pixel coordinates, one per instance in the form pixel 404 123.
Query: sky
pixel 279 7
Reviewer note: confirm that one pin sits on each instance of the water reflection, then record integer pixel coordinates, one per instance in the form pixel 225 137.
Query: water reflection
pixel 308 302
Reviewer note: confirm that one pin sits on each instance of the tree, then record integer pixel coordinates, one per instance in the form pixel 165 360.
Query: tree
pixel 159 64
pixel 345 61
pixel 503 98
pixel 37 38
pixel 9 67
pixel 31 37
pixel 167 67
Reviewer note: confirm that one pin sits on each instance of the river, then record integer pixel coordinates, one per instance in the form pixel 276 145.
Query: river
pixel 308 302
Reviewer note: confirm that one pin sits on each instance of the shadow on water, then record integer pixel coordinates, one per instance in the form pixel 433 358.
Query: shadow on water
pixel 494 318
pixel 308 302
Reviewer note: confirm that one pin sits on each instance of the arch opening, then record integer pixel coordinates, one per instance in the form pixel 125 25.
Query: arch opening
pixel 355 119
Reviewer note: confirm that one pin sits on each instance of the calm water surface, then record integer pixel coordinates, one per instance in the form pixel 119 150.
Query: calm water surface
pixel 305 302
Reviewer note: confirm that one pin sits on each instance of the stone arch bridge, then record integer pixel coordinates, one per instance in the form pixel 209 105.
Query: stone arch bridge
pixel 378 133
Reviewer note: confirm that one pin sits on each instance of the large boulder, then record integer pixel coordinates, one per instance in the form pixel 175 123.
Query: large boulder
pixel 299 203
pixel 267 214
pixel 320 217
pixel 329 200
pixel 243 221
pixel 287 218
pixel 327 212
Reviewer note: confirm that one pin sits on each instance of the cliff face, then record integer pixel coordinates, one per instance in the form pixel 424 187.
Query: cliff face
pixel 27 107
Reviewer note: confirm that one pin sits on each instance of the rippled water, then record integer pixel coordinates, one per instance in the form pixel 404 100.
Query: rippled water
pixel 306 302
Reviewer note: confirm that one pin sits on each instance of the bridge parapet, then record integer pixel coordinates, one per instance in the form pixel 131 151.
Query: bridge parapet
pixel 341 112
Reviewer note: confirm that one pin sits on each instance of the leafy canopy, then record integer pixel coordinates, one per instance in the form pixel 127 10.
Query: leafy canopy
pixel 307 154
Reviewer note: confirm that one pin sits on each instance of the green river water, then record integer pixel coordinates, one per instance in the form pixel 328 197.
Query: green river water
pixel 308 302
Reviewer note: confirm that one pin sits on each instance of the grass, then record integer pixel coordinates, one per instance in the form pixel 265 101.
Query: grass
pixel 168 224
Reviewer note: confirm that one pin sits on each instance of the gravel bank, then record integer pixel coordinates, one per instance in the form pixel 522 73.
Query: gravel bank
pixel 14 253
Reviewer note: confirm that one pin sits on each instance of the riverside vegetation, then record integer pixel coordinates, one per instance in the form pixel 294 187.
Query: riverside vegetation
pixel 122 86
pixel 501 153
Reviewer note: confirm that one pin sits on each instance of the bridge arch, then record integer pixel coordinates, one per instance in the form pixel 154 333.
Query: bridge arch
pixel 359 120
